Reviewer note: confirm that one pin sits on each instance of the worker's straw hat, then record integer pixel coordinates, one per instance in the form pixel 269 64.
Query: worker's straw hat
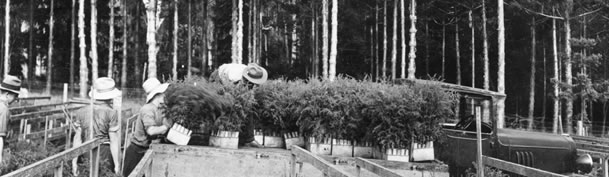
pixel 152 87
pixel 255 74
pixel 11 84
pixel 104 88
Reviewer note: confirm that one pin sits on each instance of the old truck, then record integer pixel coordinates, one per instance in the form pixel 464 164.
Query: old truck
pixel 549 152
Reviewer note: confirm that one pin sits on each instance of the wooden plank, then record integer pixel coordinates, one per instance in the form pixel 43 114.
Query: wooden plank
pixel 41 113
pixel 42 166
pixel 35 98
pixel 36 106
pixel 374 168
pixel 40 134
pixel 517 168
pixel 437 167
pixel 143 165
pixel 319 163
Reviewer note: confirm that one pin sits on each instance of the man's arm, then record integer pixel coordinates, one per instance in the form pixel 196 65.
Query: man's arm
pixel 1 147
pixel 156 130
pixel 114 149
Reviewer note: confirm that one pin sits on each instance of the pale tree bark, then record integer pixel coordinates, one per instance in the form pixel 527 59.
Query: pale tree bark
pixel 324 47
pixel 256 29
pixel 153 22
pixel 376 42
pixel 239 41
pixel 443 50
pixel 556 120
pixel 295 40
pixel 234 19
pixel 136 53
pixel 568 67
pixel 189 64
pixel 473 48
pixel 111 40
pixel 124 38
pixel 72 46
pixel 384 64
pixel 50 54
pixel 403 41
pixel 486 104
pixel 31 59
pixel 314 40
pixel 84 71
pixel 93 35
pixel 7 37
pixel 371 50
pixel 457 53
pixel 427 38
pixel 394 40
pixel 174 69
pixel 532 79
pixel 334 42
pixel 501 65
pixel 210 32
pixel 413 40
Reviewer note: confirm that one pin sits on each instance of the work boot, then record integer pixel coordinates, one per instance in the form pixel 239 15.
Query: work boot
pixel 253 144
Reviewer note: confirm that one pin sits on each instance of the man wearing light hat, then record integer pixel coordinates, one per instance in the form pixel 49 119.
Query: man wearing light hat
pixel 150 123
pixel 9 91
pixel 104 123
pixel 251 75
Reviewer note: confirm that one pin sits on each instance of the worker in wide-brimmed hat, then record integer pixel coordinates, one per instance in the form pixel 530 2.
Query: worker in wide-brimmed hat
pixel 105 124
pixel 251 75
pixel 9 91
pixel 150 123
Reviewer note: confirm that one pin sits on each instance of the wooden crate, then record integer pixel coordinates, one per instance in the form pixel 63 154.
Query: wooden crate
pixel 293 138
pixel 364 150
pixel 423 151
pixel 395 154
pixel 224 139
pixel 322 147
pixel 342 148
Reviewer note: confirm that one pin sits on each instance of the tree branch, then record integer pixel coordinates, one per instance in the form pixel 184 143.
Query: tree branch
pixel 587 13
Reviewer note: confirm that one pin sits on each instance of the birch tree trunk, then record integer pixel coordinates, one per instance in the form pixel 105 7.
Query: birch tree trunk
pixel 210 32
pixel 568 67
pixel 174 69
pixel 532 79
pixel 324 47
pixel 31 59
pixel 372 59
pixel 111 39
pixel 124 38
pixel 7 37
pixel 295 40
pixel 427 38
pixel 189 65
pixel 234 19
pixel 239 44
pixel 334 44
pixel 473 48
pixel 84 71
pixel 501 65
pixel 154 21
pixel 376 42
pixel 486 104
pixel 72 46
pixel 394 40
pixel 457 53
pixel 136 53
pixel 443 50
pixel 384 64
pixel 403 41
pixel 556 119
pixel 413 40
pixel 93 35
pixel 50 54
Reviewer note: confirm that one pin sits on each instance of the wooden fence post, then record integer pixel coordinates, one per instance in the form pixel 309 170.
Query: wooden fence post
pixel 94 162
pixel 58 172
pixel 293 166
pixel 46 127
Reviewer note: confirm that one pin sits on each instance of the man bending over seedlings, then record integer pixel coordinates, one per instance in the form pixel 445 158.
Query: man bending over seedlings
pixel 9 91
pixel 104 123
pixel 252 75
pixel 150 123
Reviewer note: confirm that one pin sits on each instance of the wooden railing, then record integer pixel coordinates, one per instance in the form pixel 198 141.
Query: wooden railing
pixel 300 156
pixel 517 168
pixel 143 167
pixel 55 162
pixel 374 168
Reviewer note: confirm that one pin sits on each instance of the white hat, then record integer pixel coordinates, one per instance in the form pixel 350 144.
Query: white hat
pixel 255 74
pixel 104 89
pixel 152 87
pixel 11 84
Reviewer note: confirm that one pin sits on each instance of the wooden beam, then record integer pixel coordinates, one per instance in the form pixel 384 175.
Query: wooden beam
pixel 40 134
pixel 143 165
pixel 437 167
pixel 317 162
pixel 36 106
pixel 35 98
pixel 374 168
pixel 48 163
pixel 517 168
pixel 41 113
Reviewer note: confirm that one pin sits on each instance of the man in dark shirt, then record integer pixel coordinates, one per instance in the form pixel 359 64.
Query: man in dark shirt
pixel 104 122
pixel 151 123
pixel 9 90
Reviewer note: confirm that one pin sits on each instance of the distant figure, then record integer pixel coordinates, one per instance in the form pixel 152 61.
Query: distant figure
pixel 150 123
pixel 9 91
pixel 105 123
pixel 251 75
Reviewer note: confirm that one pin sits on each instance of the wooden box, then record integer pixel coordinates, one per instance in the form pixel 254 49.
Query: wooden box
pixel 322 147
pixel 342 148
pixel 394 154
pixel 293 138
pixel 364 150
pixel 422 151
pixel 224 139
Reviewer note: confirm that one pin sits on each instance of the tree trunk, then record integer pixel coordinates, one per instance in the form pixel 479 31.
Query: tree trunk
pixel 427 38
pixel 189 64
pixel 314 57
pixel 210 32
pixel 443 51
pixel 486 104
pixel 84 71
pixel 384 64
pixel 154 21
pixel 240 32
pixel 413 40
pixel 532 80
pixel 50 55
pixel 7 37
pixel 204 41
pixel 324 48
pixel 93 35
pixel 234 19
pixel 372 59
pixel 295 40
pixel 545 88
pixel 403 41
pixel 334 42
pixel 473 48
pixel 501 65
pixel 376 42
pixel 556 119
pixel 111 40
pixel 457 53
pixel 174 69
pixel 394 40
pixel 72 47
pixel 568 67
pixel 30 57
pixel 124 38
pixel 136 56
